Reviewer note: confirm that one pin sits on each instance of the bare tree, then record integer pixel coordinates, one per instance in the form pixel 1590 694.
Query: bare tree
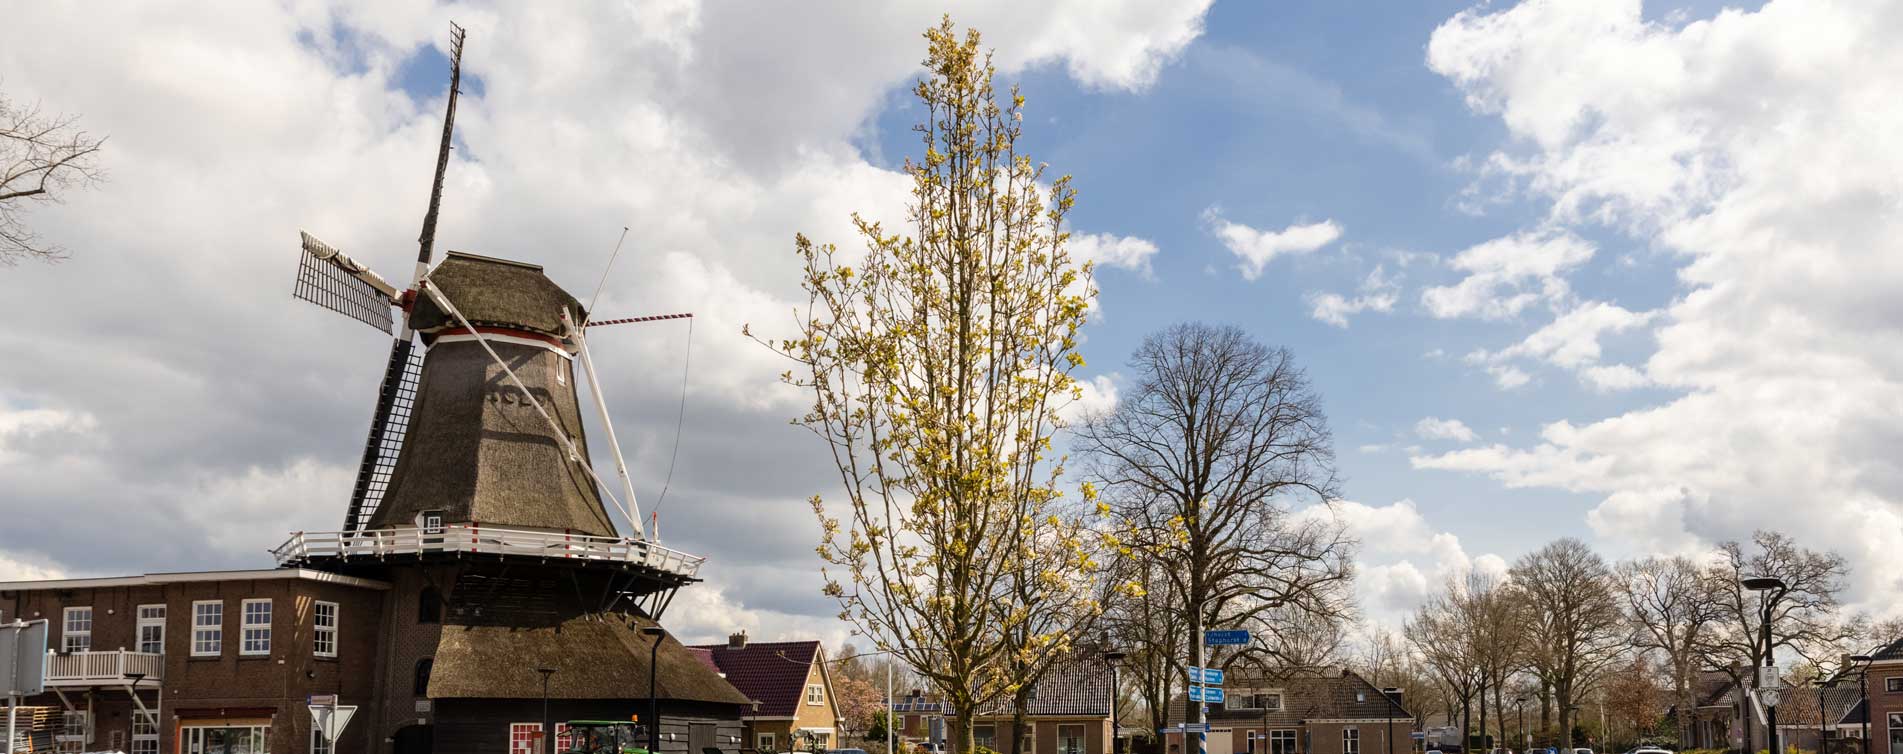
pixel 1807 619
pixel 1578 629
pixel 1500 648
pixel 41 157
pixel 1674 616
pixel 1201 463
pixel 1387 661
pixel 1449 633
pixel 1152 625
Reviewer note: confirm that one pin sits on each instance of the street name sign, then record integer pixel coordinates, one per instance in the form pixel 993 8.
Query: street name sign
pixel 1195 727
pixel 1209 694
pixel 1211 676
pixel 1226 638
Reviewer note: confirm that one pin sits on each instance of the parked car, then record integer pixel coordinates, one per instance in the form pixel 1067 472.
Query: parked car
pixel 1582 750
pixel 845 751
pixel 1649 750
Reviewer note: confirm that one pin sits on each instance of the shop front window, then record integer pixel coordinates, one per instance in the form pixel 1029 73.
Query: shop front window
pixel 242 739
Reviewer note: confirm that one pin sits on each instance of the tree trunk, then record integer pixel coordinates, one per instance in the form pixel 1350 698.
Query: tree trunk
pixel 1466 722
pixel 1019 703
pixel 1500 714
pixel 1483 715
pixel 1546 706
pixel 966 743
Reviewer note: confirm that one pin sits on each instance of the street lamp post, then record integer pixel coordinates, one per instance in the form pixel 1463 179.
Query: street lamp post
pixel 548 736
pixel 1114 658
pixel 1863 694
pixel 1823 732
pixel 1390 692
pixel 1770 589
pixel 654 705
pixel 1519 702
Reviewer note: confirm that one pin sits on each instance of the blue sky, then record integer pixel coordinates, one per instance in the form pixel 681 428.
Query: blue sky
pixel 1590 254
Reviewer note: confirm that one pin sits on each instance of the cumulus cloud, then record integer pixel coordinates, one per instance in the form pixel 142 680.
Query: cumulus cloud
pixel 1572 341
pixel 1254 249
pixel 1506 275
pixel 1401 559
pixel 1107 250
pixel 207 413
pixel 1435 428
pixel 1747 146
pixel 1378 293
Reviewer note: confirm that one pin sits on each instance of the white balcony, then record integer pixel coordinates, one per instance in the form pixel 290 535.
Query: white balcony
pixel 102 668
pixel 303 547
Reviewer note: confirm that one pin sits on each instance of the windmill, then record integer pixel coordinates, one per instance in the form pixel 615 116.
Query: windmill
pixel 328 278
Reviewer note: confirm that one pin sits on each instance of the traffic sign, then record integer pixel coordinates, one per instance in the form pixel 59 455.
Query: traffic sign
pixel 1209 694
pixel 1195 727
pixel 1212 676
pixel 1417 735
pixel 23 657
pixel 1171 729
pixel 1232 637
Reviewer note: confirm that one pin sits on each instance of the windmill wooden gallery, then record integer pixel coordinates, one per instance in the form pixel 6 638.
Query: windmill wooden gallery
pixel 478 579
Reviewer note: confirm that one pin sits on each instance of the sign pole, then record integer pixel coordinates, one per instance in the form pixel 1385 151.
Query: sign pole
pixel 13 711
pixel 1202 739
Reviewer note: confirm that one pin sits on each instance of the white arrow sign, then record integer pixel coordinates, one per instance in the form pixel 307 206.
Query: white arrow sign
pixel 331 720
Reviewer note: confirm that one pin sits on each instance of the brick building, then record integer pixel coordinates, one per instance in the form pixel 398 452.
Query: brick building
pixel 1299 712
pixel 1068 712
pixel 790 686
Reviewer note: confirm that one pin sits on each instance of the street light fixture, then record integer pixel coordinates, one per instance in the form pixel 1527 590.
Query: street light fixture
pixel 1114 658
pixel 654 705
pixel 548 738
pixel 1863 692
pixel 1770 589
pixel 1525 741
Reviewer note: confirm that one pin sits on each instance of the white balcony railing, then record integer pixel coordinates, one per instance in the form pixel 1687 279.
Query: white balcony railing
pixel 475 538
pixel 97 668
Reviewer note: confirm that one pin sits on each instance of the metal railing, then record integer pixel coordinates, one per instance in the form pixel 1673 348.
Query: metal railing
pixel 102 667
pixel 476 538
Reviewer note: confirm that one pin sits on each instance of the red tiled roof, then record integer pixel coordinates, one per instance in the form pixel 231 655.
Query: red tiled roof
pixel 772 672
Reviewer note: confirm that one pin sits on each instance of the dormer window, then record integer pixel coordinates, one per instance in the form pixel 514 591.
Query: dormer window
pixel 431 522
pixel 1255 699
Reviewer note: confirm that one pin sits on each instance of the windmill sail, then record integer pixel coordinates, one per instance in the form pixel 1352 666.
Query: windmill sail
pixel 396 401
pixel 329 279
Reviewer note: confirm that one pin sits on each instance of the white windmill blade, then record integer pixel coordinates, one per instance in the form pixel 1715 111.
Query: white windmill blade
pixel 330 279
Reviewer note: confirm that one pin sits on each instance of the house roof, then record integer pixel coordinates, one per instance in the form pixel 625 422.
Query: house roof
pixel 193 576
pixel 597 656
pixel 1307 694
pixel 1799 705
pixel 1891 651
pixel 1079 688
pixel 771 672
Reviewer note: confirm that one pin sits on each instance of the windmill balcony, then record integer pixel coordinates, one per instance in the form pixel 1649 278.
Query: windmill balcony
pixel 102 668
pixel 476 539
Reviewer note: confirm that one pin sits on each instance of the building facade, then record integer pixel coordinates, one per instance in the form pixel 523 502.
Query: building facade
pixel 1298 712
pixel 792 690
pixel 1068 712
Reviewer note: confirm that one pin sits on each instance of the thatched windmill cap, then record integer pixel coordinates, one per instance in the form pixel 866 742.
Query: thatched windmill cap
pixel 496 293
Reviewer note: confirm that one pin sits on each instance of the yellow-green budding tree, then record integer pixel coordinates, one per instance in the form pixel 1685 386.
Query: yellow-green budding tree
pixel 937 362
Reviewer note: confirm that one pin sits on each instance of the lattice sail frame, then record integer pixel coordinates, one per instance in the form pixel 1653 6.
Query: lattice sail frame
pixel 326 278
pixel 396 402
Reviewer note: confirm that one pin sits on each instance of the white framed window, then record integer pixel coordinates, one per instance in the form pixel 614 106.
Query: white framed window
pixel 1282 741
pixel 524 737
pixel 324 629
pixel 319 744
pixel 432 522
pixel 1350 741
pixel 145 735
pixel 1893 685
pixel 1254 699
pixel 765 742
pixel 116 740
pixel 152 629
pixel 985 736
pixel 255 635
pixel 563 741
pixel 76 630
pixel 208 628
pixel 220 739
pixel 1070 739
pixel 815 693
pixel 75 731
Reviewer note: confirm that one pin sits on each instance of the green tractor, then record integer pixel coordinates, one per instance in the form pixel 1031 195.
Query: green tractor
pixel 605 737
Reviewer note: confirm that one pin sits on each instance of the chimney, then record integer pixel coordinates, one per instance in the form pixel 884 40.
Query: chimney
pixel 737 639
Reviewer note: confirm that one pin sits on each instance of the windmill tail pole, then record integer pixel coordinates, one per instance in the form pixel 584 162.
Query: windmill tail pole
pixel 633 511
pixel 427 241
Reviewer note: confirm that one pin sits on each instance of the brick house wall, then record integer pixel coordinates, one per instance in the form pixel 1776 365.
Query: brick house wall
pixel 1886 707
pixel 266 689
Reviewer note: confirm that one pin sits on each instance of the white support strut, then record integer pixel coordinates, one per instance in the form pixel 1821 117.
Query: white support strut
pixel 435 294
pixel 614 444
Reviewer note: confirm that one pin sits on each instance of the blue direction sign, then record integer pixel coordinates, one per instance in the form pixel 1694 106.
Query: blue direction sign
pixel 1209 694
pixel 1212 676
pixel 1225 638
pixel 1195 727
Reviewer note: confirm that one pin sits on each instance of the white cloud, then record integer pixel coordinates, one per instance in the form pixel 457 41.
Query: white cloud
pixel 1436 428
pixel 13 569
pixel 1127 252
pixel 1378 293
pixel 1506 275
pixel 1508 376
pixel 241 412
pixel 1401 559
pixel 1254 249
pixel 1571 341
pixel 1098 395
pixel 1756 151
